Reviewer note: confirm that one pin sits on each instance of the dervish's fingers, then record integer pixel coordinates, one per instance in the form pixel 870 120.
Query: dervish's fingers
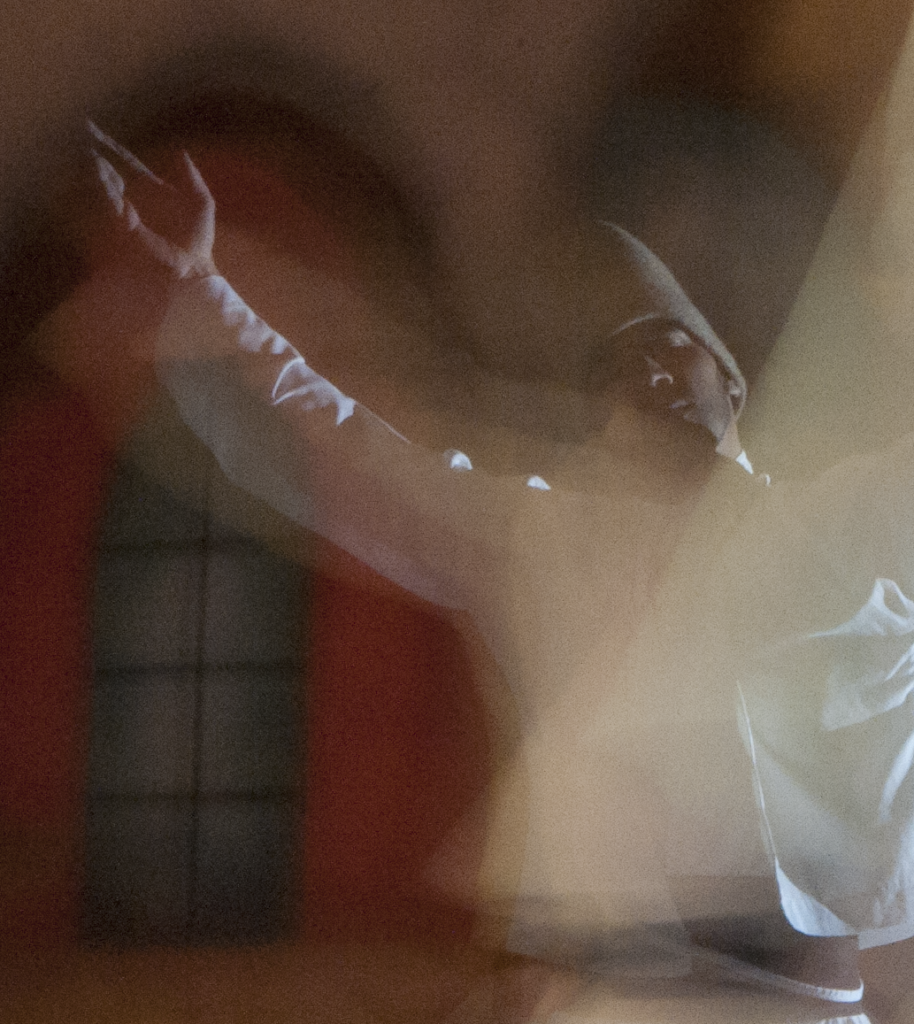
pixel 119 154
pixel 111 181
pixel 194 179
pixel 134 222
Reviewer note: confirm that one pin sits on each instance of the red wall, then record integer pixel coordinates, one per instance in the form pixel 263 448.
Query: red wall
pixel 53 469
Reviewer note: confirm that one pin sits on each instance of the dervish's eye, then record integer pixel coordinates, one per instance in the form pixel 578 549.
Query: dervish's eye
pixel 662 342
pixel 678 339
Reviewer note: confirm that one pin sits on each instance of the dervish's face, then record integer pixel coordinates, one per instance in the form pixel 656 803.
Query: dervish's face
pixel 658 369
pixel 657 399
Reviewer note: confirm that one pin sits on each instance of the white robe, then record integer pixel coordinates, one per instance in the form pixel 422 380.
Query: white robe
pixel 617 621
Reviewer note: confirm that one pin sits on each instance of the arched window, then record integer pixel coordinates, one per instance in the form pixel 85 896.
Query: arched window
pixel 193 798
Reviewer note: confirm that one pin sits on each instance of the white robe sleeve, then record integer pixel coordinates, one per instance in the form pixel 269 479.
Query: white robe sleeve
pixel 292 439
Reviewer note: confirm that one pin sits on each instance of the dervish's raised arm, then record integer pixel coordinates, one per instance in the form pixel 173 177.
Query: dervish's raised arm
pixel 291 438
pixel 284 433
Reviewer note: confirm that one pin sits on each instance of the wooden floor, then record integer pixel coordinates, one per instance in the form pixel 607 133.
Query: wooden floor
pixel 379 984
pixel 273 985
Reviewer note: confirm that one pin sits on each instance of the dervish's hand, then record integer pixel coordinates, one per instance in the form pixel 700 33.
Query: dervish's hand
pixel 173 223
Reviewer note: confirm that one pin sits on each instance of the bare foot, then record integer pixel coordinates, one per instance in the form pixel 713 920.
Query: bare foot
pixel 772 945
pixel 741 917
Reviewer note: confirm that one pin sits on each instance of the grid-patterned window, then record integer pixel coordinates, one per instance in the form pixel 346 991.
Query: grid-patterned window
pixel 194 748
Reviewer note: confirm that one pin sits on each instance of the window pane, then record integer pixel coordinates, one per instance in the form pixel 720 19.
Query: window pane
pixel 244 887
pixel 146 609
pixel 253 607
pixel 251 721
pixel 138 864
pixel 142 734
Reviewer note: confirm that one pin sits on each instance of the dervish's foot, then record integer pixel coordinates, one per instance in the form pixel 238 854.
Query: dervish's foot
pixel 770 953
